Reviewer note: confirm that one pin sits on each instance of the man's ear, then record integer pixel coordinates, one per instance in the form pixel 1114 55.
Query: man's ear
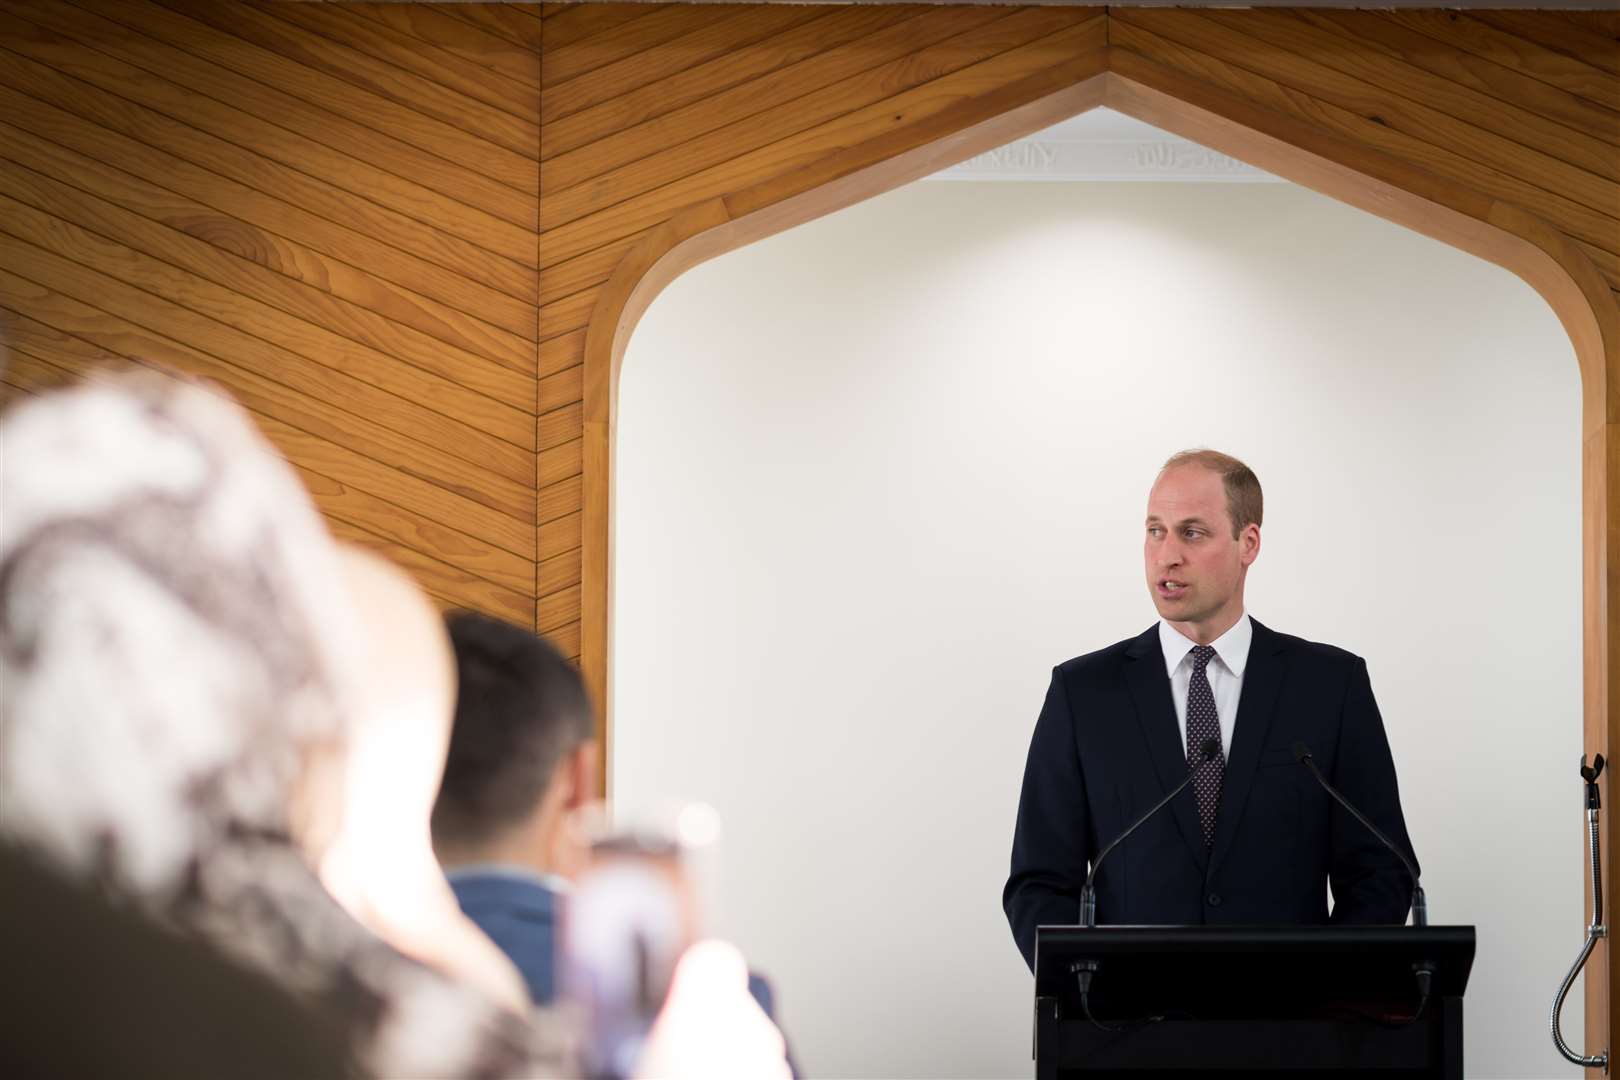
pixel 1249 544
pixel 581 779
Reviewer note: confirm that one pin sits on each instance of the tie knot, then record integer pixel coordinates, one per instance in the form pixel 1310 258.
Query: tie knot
pixel 1202 655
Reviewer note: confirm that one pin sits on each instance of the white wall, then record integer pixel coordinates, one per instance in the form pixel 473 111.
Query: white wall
pixel 878 474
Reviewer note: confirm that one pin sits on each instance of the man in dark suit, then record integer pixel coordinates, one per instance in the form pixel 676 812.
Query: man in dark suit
pixel 1253 839
pixel 522 757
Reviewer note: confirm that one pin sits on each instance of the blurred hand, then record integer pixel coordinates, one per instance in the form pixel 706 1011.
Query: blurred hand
pixel 710 1028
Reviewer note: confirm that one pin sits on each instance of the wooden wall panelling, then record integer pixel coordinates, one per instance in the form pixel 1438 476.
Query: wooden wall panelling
pixel 37 245
pixel 625 219
pixel 560 571
pixel 829 28
pixel 26 375
pixel 1222 54
pixel 559 353
pixel 418 111
pixel 693 47
pixel 84 347
pixel 72 357
pixel 1401 35
pixel 1581 38
pixel 831 84
pixel 436 25
pixel 573 22
pixel 1600 572
pixel 326 221
pixel 518 24
pixel 571 276
pixel 73 188
pixel 114 337
pixel 382 41
pixel 562 388
pixel 303 135
pixel 1467 33
pixel 643 32
pixel 1606 23
pixel 560 426
pixel 245 164
pixel 560 535
pixel 280 233
pixel 1442 104
pixel 331 215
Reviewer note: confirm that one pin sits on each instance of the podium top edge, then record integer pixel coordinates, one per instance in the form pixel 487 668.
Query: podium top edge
pixel 1210 936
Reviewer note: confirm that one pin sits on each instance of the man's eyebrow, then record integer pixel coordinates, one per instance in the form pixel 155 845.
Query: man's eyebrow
pixel 1152 518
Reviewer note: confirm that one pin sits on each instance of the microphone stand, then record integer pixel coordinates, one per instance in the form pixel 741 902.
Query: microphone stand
pixel 1423 970
pixel 1420 902
pixel 1084 970
pixel 1210 750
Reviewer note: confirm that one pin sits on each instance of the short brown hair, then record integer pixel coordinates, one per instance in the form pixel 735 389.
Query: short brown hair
pixel 1244 502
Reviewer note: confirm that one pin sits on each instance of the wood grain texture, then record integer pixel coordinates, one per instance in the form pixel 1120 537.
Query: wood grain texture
pixel 419 111
pixel 412 238
pixel 433 61
pixel 438 26
pixel 328 212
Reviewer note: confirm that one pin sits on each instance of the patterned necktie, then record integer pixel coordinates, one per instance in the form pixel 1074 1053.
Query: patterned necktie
pixel 1202 723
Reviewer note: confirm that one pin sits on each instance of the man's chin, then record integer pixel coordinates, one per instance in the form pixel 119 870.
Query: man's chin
pixel 1173 609
pixel 1177 610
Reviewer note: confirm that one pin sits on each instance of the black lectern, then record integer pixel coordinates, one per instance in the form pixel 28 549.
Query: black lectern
pixel 1295 1001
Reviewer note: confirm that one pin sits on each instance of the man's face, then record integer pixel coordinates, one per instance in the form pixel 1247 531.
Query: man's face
pixel 1195 567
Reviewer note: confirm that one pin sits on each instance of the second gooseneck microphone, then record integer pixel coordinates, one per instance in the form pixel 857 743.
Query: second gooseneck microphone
pixel 1208 751
pixel 1420 903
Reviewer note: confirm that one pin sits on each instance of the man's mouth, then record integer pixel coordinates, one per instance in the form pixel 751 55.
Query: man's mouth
pixel 1171 587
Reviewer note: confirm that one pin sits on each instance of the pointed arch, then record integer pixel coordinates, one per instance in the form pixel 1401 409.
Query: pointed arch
pixel 1356 171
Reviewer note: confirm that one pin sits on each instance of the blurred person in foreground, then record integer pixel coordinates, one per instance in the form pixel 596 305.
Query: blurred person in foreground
pixel 95 989
pixel 523 759
pixel 198 704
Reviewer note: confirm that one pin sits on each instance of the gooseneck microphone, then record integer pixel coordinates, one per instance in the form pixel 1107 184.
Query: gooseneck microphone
pixel 1420 903
pixel 1208 751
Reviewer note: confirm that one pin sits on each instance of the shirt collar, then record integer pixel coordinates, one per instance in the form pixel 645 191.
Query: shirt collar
pixel 1231 648
pixel 512 871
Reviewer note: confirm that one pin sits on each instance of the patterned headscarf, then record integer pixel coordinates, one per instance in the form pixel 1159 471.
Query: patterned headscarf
pixel 176 664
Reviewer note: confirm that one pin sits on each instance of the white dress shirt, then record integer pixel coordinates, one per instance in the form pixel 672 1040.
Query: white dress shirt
pixel 1225 673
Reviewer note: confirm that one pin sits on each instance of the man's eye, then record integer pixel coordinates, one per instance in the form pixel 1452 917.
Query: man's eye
pixel 1193 534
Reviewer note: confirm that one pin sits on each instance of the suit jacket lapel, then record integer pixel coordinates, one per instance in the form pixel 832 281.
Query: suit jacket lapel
pixel 1156 715
pixel 1262 680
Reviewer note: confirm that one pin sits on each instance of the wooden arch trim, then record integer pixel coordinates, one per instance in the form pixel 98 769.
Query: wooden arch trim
pixel 1508 235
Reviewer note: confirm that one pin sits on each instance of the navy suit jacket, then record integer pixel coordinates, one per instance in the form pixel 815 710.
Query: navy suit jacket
pixel 1108 745
pixel 520 914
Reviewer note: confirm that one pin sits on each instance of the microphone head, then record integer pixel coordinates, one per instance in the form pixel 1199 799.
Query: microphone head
pixel 1301 752
pixel 1209 749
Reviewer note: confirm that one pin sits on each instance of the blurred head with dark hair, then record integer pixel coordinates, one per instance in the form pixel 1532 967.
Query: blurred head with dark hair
pixel 523 750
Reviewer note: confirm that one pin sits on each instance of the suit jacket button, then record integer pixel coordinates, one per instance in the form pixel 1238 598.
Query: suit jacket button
pixel 1214 899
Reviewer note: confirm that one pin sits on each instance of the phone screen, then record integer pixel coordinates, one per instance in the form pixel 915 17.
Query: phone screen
pixel 631 917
